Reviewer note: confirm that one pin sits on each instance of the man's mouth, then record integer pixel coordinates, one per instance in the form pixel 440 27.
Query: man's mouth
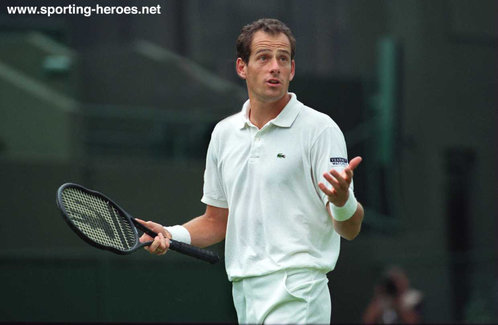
pixel 273 81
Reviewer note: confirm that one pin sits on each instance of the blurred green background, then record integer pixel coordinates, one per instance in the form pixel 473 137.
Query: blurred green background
pixel 125 104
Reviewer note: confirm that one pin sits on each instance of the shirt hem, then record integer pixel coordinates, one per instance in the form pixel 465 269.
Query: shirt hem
pixel 215 203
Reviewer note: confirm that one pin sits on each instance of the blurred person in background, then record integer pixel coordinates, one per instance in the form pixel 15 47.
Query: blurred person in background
pixel 394 301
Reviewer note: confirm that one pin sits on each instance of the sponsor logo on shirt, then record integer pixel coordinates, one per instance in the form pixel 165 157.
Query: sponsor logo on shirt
pixel 280 155
pixel 338 161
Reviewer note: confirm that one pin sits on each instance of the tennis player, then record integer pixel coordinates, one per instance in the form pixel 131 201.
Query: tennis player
pixel 278 188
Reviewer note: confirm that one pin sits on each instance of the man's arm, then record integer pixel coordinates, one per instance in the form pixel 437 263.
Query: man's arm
pixel 210 228
pixel 350 228
pixel 339 195
pixel 205 230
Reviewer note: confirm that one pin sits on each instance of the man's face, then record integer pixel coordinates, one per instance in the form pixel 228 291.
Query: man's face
pixel 270 68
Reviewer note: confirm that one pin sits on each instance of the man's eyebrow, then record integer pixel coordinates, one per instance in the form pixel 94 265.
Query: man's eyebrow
pixel 262 50
pixel 269 50
pixel 284 51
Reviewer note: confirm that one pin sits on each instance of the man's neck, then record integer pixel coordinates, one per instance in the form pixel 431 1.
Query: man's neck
pixel 261 113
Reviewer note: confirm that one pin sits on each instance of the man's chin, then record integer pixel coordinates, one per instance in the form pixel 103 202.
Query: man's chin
pixel 273 97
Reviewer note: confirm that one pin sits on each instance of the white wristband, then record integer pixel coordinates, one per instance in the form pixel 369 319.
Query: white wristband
pixel 179 233
pixel 347 210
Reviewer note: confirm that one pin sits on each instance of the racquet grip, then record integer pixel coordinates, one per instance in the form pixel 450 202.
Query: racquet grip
pixel 193 251
pixel 183 248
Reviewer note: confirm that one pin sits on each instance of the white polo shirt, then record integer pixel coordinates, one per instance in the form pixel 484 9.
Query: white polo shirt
pixel 268 179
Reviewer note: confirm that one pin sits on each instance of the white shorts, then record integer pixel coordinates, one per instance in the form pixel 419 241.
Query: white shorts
pixel 285 297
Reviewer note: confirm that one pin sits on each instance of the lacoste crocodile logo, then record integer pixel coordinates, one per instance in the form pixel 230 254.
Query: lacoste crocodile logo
pixel 280 155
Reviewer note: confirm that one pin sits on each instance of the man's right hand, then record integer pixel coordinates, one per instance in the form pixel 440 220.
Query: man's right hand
pixel 160 244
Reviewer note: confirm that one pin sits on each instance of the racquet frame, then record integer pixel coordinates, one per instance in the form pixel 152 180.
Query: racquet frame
pixel 180 247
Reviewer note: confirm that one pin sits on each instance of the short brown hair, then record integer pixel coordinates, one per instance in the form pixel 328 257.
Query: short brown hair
pixel 268 25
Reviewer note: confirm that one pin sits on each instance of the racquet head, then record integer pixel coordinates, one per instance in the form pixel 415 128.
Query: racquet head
pixel 97 219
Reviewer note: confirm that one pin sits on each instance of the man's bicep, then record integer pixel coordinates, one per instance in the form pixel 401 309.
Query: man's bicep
pixel 213 189
pixel 328 152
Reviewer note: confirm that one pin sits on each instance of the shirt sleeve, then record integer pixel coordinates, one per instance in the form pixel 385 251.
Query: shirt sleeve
pixel 213 191
pixel 328 152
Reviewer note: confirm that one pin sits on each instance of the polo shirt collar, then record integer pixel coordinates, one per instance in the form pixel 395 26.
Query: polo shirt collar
pixel 285 119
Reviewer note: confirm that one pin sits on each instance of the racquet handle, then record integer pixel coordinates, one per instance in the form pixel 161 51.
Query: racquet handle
pixel 183 248
pixel 193 251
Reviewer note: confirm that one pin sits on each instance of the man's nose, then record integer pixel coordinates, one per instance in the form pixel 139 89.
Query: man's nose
pixel 274 66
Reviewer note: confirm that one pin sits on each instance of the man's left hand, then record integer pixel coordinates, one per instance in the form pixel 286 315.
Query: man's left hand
pixel 340 181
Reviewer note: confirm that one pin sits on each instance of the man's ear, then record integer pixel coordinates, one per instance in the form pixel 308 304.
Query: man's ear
pixel 240 66
pixel 293 70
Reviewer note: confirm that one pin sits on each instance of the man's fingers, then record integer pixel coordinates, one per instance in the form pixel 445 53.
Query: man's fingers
pixel 154 245
pixel 144 223
pixel 162 248
pixel 145 238
pixel 147 224
pixel 348 174
pixel 154 226
pixel 159 246
pixel 353 163
pixel 332 180
pixel 326 190
pixel 342 180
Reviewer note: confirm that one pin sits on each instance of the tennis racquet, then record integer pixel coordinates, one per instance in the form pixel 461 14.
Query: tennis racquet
pixel 103 224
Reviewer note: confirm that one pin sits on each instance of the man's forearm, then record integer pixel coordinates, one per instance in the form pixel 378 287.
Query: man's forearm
pixel 350 228
pixel 209 228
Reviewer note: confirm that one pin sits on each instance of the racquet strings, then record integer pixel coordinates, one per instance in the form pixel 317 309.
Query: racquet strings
pixel 98 219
